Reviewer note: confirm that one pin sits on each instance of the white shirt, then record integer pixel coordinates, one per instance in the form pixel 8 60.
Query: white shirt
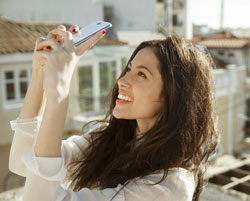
pixel 44 175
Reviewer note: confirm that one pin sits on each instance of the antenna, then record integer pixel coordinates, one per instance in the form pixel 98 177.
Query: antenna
pixel 221 14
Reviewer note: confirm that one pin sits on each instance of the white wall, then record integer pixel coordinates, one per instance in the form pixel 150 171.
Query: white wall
pixel 133 14
pixel 80 12
pixel 230 106
pixel 128 15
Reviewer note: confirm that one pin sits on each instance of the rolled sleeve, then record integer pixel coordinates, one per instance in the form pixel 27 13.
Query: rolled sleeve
pixel 49 168
pixel 28 126
pixel 24 138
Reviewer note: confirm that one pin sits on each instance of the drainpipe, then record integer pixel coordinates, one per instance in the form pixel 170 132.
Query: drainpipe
pixel 231 89
pixel 221 15
pixel 169 4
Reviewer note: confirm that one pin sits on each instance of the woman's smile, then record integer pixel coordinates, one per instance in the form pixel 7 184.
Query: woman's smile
pixel 123 98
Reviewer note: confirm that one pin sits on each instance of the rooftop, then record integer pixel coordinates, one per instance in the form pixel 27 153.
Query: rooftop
pixel 225 39
pixel 20 37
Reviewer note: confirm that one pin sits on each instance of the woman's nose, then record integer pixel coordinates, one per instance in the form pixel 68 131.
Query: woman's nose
pixel 124 82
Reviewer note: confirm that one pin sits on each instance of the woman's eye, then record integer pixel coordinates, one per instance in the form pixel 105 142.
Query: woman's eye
pixel 142 74
pixel 128 70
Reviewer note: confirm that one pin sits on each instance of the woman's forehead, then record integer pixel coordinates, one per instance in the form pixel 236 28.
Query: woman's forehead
pixel 147 57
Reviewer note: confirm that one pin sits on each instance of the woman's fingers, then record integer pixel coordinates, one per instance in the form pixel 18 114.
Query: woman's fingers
pixel 39 40
pixel 43 54
pixel 67 37
pixel 74 29
pixel 59 38
pixel 46 44
pixel 83 47
pixel 62 27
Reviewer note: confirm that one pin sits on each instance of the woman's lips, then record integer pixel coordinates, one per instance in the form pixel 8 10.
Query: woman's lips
pixel 120 101
pixel 125 94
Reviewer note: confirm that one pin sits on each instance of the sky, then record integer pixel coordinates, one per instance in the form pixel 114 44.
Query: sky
pixel 236 13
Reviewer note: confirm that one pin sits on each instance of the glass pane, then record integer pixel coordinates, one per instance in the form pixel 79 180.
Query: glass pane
pixel 23 73
pixel 10 91
pixel 9 75
pixel 107 79
pixel 85 88
pixel 23 88
pixel 124 62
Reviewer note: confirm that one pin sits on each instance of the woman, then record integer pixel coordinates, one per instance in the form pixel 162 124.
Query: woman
pixel 154 143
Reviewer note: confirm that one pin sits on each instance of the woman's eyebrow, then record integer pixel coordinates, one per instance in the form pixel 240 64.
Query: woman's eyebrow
pixel 146 68
pixel 142 67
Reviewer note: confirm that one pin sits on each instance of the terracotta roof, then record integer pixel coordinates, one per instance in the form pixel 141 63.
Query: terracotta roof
pixel 21 36
pixel 222 40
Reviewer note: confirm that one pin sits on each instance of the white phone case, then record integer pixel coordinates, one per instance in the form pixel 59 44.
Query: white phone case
pixel 89 31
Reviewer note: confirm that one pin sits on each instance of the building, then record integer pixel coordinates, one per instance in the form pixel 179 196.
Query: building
pixel 227 47
pixel 174 15
pixel 231 96
pixel 231 47
pixel 124 15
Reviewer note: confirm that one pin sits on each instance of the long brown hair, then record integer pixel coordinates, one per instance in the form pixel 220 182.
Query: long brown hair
pixel 184 136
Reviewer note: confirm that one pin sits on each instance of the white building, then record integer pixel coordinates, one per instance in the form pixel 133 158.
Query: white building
pixel 228 47
pixel 175 16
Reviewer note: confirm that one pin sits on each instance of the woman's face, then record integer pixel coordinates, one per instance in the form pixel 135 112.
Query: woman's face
pixel 140 90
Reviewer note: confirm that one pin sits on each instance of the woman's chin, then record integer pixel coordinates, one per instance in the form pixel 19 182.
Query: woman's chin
pixel 120 115
pixel 117 115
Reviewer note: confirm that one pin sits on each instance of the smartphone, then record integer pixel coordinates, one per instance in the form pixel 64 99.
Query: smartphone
pixel 89 31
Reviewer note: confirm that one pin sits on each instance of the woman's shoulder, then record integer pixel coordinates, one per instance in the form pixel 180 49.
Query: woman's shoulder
pixel 181 173
pixel 178 180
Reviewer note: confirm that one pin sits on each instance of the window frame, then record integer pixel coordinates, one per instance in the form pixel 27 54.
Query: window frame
pixel 16 69
pixel 95 62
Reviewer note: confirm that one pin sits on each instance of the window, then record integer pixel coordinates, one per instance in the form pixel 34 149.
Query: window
pixel 15 84
pixel 221 53
pixel 10 85
pixel 107 79
pixel 176 20
pixel 86 88
pixel 124 62
pixel 96 80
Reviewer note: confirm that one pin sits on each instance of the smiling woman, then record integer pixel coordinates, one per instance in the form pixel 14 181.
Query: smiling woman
pixel 154 143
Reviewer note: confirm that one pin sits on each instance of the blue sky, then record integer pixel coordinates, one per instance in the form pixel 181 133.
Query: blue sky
pixel 236 13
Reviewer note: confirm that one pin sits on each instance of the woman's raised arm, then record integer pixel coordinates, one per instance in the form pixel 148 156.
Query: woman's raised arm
pixel 61 62
pixel 34 101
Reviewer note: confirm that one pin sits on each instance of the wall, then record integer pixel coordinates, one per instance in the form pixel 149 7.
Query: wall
pixel 126 15
pixel 80 12
pixel 239 57
pixel 133 14
pixel 230 106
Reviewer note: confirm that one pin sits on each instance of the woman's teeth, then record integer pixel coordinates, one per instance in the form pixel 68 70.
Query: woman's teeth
pixel 125 98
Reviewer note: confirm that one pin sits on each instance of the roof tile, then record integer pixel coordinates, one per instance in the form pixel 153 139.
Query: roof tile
pixel 222 40
pixel 21 36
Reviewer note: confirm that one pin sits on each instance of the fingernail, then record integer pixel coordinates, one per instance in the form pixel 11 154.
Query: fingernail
pixel 104 31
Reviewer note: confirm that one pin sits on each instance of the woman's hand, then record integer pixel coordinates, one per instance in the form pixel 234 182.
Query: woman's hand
pixel 61 56
pixel 38 62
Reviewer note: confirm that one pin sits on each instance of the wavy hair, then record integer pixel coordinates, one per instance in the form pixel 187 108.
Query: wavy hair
pixel 185 134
